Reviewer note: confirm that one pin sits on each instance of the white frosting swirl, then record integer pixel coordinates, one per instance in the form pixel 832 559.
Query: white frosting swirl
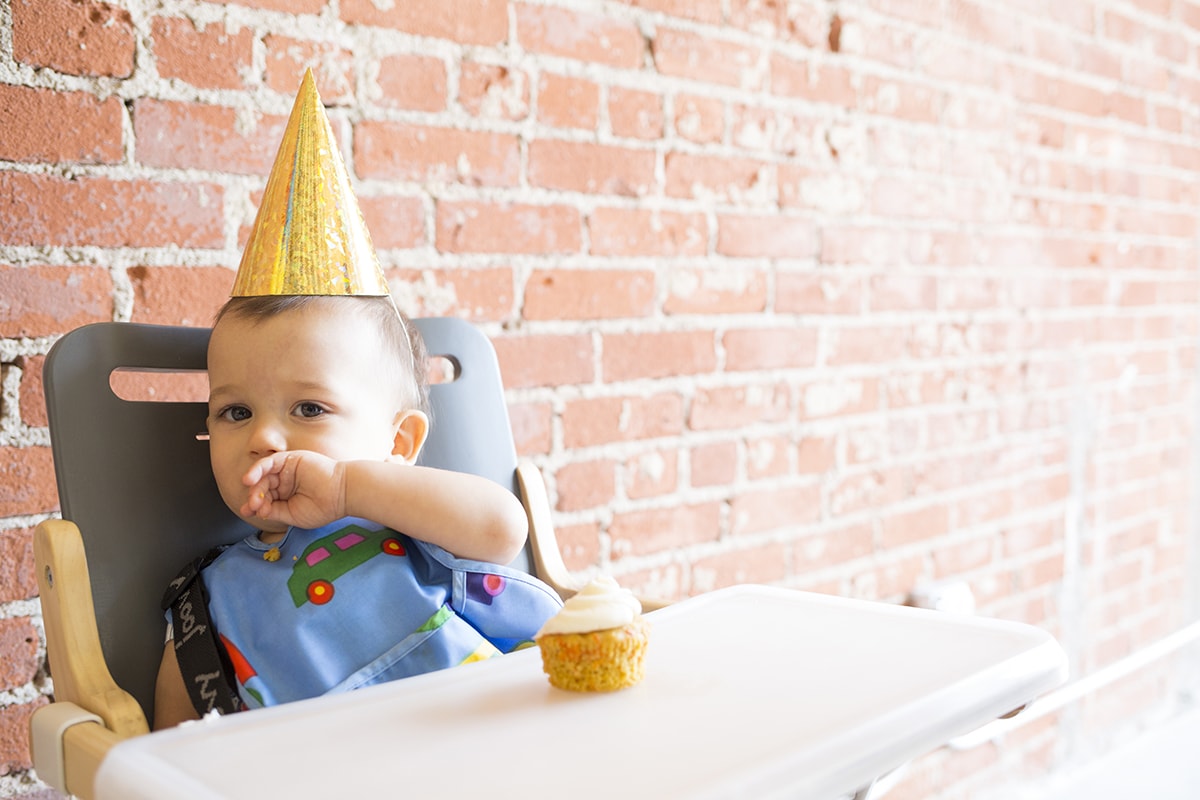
pixel 600 605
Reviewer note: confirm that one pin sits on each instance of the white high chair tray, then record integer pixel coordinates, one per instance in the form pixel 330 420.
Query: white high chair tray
pixel 749 692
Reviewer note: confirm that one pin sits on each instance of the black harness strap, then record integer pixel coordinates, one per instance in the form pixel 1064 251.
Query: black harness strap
pixel 203 662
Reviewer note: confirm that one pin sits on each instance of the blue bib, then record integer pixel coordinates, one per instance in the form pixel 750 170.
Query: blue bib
pixel 354 603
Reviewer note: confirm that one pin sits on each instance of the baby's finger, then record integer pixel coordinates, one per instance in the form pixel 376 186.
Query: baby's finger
pixel 264 467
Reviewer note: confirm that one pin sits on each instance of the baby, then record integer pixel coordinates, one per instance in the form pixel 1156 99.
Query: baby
pixel 316 415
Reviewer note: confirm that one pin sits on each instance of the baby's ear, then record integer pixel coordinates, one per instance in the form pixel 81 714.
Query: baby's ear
pixel 411 429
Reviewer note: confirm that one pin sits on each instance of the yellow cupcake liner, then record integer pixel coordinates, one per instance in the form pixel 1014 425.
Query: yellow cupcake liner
pixel 599 661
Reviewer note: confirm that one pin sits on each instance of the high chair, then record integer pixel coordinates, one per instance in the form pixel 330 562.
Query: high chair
pixel 138 497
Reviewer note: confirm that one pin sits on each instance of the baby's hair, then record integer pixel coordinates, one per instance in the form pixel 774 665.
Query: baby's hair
pixel 400 336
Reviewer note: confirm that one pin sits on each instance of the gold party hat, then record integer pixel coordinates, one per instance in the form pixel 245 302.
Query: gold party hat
pixel 309 237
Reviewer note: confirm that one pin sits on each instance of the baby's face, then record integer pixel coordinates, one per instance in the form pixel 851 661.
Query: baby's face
pixel 308 379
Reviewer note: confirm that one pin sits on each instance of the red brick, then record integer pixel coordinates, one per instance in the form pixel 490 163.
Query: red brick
pixel 579 544
pixel 199 136
pixel 770 348
pixel 900 100
pixel 765 563
pixel 951 560
pixel 545 360
pixel 768 457
pixel 290 6
pixel 696 57
pixel 29 481
pixel 568 102
pixel 804 23
pixel 635 114
pixel 875 345
pixel 412 82
pixel 42 301
pixel 651 474
pixel 399 151
pixel 725 407
pixel 17 579
pixel 642 232
pixel 741 181
pixel 976 293
pixel 867 491
pixel 716 291
pixel 908 527
pixel 917 11
pixel 714 464
pixel 658 354
pixel 470 227
pixel 775 236
pixel 816 454
pixel 896 198
pixel 897 292
pixel 601 38
pixel 699 119
pixel 840 396
pixel 829 192
pixel 817 82
pixel 465 22
pixel 833 547
pixel 14 736
pixel 393 221
pixel 31 394
pixel 588 294
pixel 665 581
pixel 590 168
pixel 212 56
pixel 532 425
pixel 78 37
pixel 484 293
pixel 601 420
pixel 332 66
pixel 19 660
pixel 189 296
pixel 586 484
pixel 891 582
pixel 42 125
pixel 494 91
pixel 46 210
pixel 850 244
pixel 655 530
pixel 818 293
pixel 709 11
pixel 772 131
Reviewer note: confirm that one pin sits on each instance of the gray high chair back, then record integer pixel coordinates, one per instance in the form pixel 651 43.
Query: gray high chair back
pixel 138 496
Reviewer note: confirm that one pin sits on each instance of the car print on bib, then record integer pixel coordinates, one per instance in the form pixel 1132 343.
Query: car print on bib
pixel 332 556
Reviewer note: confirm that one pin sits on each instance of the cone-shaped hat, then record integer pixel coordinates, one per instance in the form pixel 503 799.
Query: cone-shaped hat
pixel 309 237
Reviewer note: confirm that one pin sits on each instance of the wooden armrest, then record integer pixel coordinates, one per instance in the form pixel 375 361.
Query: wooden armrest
pixel 77 663
pixel 547 557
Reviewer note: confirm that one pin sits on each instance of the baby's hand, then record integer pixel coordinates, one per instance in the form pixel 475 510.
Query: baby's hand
pixel 296 487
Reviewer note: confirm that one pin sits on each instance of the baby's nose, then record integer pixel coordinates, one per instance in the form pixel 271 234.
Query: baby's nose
pixel 266 439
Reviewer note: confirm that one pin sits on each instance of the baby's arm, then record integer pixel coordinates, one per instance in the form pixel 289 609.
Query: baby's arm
pixel 171 702
pixel 469 516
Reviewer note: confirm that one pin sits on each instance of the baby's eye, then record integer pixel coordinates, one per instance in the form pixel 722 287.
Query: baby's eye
pixel 234 414
pixel 309 410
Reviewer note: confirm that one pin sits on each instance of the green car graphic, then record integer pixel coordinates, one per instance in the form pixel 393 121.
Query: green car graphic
pixel 332 556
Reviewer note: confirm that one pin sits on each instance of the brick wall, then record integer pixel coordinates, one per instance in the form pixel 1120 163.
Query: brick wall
pixel 841 295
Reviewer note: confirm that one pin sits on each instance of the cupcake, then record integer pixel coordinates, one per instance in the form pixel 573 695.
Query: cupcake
pixel 597 641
